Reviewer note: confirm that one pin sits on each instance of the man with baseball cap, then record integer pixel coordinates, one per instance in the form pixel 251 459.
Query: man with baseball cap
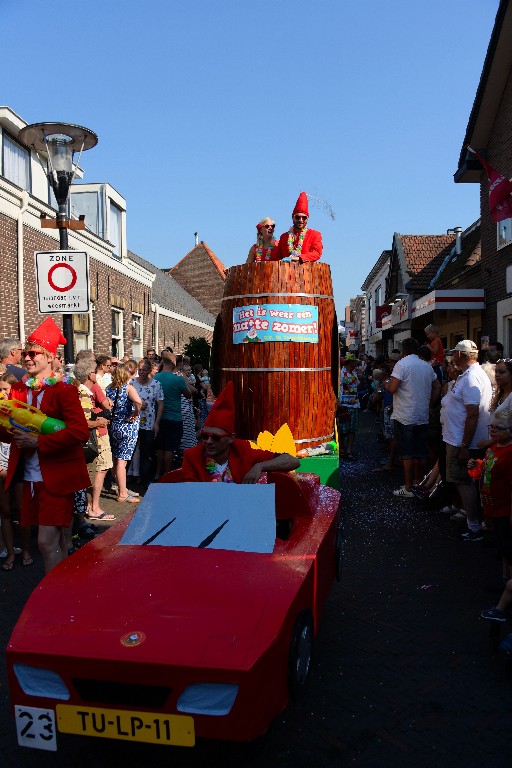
pixel 465 418
pixel 300 243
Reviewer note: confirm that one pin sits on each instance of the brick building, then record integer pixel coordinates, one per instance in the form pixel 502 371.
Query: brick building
pixel 124 315
pixel 489 132
pixel 202 275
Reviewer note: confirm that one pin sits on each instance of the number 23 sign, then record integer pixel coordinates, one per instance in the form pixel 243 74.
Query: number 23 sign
pixel 36 727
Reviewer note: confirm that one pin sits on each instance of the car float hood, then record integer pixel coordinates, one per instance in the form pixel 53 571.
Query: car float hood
pixel 190 606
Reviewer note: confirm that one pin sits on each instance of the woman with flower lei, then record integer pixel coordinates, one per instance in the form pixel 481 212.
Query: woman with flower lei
pixel 265 242
pixel 52 466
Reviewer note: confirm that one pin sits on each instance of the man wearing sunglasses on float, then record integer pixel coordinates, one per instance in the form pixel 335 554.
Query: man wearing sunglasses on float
pixel 222 458
pixel 300 243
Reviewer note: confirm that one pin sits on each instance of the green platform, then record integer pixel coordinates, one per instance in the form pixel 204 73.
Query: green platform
pixel 326 467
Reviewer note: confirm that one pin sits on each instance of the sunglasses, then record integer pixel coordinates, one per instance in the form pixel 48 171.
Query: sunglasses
pixel 206 435
pixel 300 217
pixel 494 428
pixel 269 226
pixel 31 353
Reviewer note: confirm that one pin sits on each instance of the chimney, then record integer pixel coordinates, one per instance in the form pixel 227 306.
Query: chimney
pixel 196 237
pixel 457 231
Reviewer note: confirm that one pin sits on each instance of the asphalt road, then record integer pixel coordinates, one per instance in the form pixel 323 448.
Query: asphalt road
pixel 405 671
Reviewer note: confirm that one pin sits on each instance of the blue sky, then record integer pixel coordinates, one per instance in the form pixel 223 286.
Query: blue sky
pixel 213 115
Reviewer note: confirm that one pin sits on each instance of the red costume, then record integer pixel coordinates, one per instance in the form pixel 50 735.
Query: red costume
pixel 60 454
pixel 241 459
pixel 312 244
pixel 311 248
pixel 241 456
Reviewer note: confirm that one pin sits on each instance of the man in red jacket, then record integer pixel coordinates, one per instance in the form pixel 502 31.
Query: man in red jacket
pixel 299 244
pixel 221 458
pixel 51 466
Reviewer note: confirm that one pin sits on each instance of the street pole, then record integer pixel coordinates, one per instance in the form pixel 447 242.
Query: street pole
pixel 67 320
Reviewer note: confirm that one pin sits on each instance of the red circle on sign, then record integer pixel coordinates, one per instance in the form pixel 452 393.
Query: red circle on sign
pixel 66 287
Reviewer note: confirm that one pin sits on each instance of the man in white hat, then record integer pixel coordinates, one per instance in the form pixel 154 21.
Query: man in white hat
pixel 465 418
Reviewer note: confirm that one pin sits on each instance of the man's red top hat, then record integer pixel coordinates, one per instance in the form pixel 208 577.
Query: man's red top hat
pixel 47 335
pixel 222 413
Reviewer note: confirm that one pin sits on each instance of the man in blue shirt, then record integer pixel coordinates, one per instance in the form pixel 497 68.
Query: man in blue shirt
pixel 171 425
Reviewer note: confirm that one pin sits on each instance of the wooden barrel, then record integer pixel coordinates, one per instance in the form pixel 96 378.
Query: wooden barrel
pixel 278 382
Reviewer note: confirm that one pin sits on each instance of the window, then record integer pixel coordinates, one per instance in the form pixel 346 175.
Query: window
pixel 504 232
pixel 115 229
pixel 378 296
pixel 117 333
pixel 81 323
pixel 81 330
pixel 87 204
pixel 369 309
pixel 137 336
pixel 15 162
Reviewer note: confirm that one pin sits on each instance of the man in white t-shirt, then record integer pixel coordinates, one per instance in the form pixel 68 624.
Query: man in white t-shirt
pixel 465 418
pixel 414 387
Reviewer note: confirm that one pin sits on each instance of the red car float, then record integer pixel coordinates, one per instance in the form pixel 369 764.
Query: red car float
pixel 163 644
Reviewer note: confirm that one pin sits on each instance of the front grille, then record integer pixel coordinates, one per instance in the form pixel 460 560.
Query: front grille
pixel 122 694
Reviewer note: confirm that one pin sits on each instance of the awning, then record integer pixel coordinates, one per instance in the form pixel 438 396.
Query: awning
pixel 462 298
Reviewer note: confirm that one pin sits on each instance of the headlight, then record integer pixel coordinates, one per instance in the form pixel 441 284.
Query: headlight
pixel 208 698
pixel 36 681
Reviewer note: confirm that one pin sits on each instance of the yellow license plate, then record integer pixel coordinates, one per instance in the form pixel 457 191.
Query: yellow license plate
pixel 127 725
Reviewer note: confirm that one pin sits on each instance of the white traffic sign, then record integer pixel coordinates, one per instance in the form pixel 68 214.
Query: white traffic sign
pixel 62 279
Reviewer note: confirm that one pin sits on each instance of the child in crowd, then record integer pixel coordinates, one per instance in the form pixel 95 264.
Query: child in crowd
pixel 436 347
pixel 495 471
pixel 11 498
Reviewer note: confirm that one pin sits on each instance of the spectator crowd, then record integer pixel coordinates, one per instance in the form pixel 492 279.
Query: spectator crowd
pixel 141 415
pixel 445 421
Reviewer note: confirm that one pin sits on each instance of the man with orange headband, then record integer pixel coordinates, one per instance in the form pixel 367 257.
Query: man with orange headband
pixel 300 243
pixel 222 458
pixel 51 466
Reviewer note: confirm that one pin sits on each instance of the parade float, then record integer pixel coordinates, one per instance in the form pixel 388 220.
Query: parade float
pixel 200 609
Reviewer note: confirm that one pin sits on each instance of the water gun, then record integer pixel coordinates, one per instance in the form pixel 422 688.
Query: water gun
pixel 17 415
pixel 325 448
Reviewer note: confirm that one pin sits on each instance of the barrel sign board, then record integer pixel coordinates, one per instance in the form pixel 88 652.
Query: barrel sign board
pixel 276 339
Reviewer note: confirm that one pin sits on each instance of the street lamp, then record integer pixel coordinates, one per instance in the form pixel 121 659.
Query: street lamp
pixel 60 141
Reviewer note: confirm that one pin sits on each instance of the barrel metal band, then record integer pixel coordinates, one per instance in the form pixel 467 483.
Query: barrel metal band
pixel 311 439
pixel 279 370
pixel 280 295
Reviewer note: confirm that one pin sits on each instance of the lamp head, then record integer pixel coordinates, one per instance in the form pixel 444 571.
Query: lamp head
pixel 59 141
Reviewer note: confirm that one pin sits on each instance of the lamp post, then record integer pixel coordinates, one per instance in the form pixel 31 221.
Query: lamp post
pixel 60 141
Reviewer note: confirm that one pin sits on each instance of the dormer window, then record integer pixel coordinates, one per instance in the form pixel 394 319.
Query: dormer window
pixel 115 229
pixel 105 214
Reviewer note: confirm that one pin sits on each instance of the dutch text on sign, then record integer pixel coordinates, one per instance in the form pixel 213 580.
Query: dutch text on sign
pixel 62 279
pixel 275 322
